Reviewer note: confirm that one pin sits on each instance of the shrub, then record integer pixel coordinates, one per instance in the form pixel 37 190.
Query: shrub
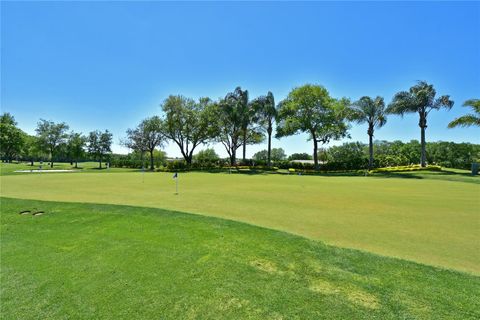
pixel 407 168
pixel 176 165
pixel 205 159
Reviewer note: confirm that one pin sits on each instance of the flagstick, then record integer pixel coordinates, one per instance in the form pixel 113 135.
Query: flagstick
pixel 176 185
pixel 143 168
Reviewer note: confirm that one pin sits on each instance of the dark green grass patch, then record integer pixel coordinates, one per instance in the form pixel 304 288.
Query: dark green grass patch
pixel 89 261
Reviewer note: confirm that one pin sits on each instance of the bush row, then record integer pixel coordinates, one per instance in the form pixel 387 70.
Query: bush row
pixel 407 168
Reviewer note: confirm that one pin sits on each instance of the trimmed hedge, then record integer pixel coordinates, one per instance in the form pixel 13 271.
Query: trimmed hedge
pixel 416 167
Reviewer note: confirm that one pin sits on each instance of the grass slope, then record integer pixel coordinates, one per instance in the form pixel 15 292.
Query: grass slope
pixel 85 261
pixel 421 219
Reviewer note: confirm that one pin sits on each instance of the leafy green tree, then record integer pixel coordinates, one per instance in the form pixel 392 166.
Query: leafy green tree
pixel 349 155
pixel 265 115
pixel 452 155
pixel 160 157
pixel 76 146
pixel 99 145
pixel 31 150
pixel 51 137
pixel 207 157
pixel 188 123
pixel 7 118
pixel 12 139
pixel 471 119
pixel 372 112
pixel 147 136
pixel 260 155
pixel 277 154
pixel 230 124
pixel 239 98
pixel 396 153
pixel 310 109
pixel 419 99
pixel 300 156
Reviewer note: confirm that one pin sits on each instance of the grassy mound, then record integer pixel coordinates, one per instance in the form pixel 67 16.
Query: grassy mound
pixel 84 261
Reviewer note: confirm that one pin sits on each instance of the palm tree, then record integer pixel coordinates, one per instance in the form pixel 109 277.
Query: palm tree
pixel 265 114
pixel 468 119
pixel 239 98
pixel 420 98
pixel 372 112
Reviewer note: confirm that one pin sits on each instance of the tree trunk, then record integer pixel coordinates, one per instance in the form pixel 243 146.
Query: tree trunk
pixel 370 151
pixel 233 157
pixel 151 161
pixel 423 158
pixel 315 153
pixel 269 152
pixel 370 145
pixel 423 126
pixel 100 162
pixel 76 164
pixel 244 145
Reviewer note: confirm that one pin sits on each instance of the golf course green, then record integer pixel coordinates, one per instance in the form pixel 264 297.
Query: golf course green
pixel 123 245
pixel 426 220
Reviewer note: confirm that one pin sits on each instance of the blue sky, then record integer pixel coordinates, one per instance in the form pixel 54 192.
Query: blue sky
pixel 107 65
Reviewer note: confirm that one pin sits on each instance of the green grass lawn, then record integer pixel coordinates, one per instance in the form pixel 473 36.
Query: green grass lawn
pixel 422 218
pixel 90 261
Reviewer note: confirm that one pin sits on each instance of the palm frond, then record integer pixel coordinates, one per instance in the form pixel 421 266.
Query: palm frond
pixel 443 102
pixel 403 102
pixel 369 110
pixel 474 103
pixel 465 121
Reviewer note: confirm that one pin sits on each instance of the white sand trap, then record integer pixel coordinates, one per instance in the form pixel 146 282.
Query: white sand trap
pixel 42 171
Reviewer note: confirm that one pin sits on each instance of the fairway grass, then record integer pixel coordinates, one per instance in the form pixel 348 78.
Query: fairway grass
pixel 431 221
pixel 89 261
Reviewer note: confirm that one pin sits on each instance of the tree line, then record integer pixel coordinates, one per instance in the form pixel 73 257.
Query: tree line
pixel 236 121
pixel 52 141
pixel 355 155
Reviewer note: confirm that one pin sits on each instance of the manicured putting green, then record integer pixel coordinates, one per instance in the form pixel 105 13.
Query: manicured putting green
pixel 88 261
pixel 430 221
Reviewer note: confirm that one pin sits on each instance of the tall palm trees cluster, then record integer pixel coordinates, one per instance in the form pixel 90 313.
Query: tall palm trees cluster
pixel 421 99
pixel 304 111
pixel 235 121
